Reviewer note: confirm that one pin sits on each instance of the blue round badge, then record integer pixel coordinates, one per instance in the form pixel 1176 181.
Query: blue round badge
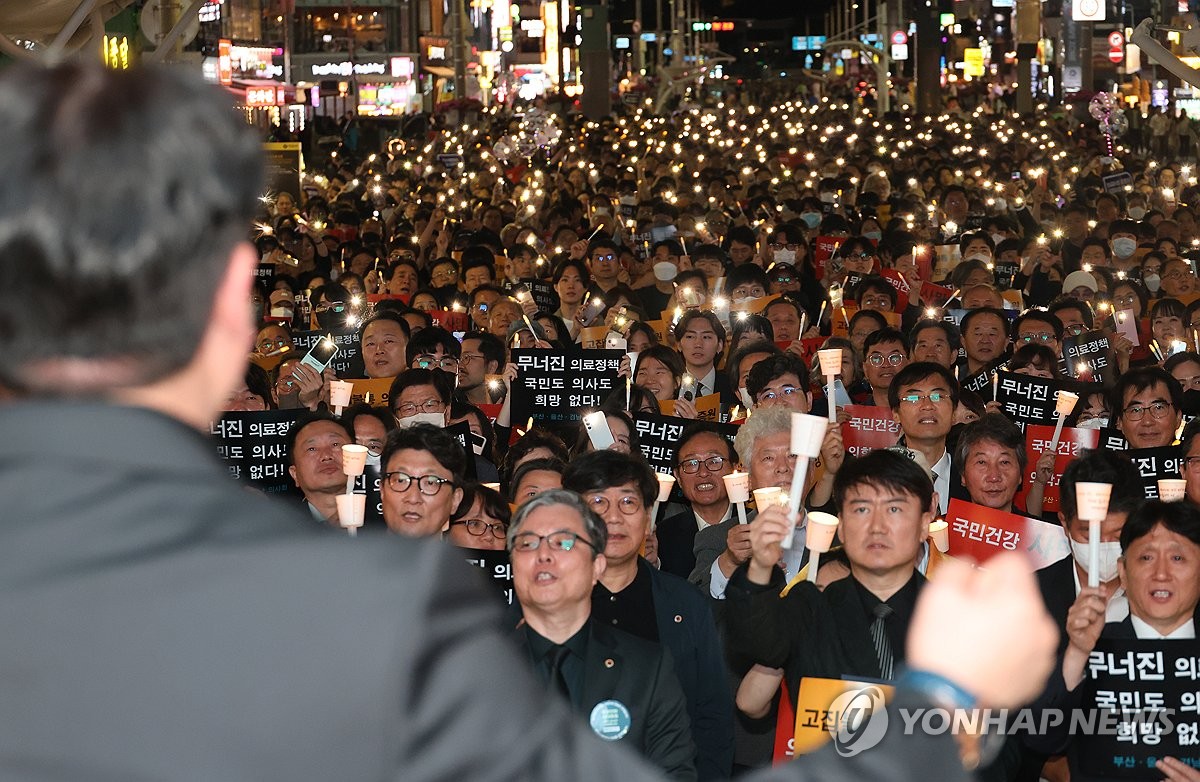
pixel 610 720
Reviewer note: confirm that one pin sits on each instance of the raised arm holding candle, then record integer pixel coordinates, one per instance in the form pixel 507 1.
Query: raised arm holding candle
pixel 831 366
pixel 821 529
pixel 737 487
pixel 1064 405
pixel 808 432
pixel 1091 501
pixel 351 506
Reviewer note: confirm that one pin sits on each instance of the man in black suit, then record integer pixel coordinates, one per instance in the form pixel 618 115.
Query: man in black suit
pixel 1060 582
pixel 702 458
pixel 172 624
pixel 654 605
pixel 625 686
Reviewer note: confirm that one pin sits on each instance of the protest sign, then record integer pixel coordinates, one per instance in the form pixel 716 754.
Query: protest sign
pixel 370 483
pixel 543 293
pixel 554 386
pixel 1070 444
pixel 1089 358
pixel 823 249
pixel 819 710
pixel 592 337
pixel 254 445
pixel 808 347
pixel 347 362
pixel 1006 273
pixel 495 568
pixel 1144 696
pixel 840 326
pixel 900 284
pixel 283 168
pixel 935 295
pixel 1111 439
pixel 451 320
pixel 869 428
pixel 980 533
pixel 1025 399
pixel 981 381
pixel 1155 463
pixel 659 436
pixel 708 408
pixel 375 391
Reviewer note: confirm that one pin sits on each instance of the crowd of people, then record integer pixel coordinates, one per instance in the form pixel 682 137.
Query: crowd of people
pixel 719 248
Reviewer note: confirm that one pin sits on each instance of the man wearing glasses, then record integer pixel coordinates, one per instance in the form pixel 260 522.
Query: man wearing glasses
pixel 702 458
pixel 1147 405
pixel 420 486
pixel 434 348
pixel 421 396
pixel 623 685
pixel 604 263
pixel 885 354
pixel 923 398
pixel 780 381
pixel 656 606
pixel 1037 327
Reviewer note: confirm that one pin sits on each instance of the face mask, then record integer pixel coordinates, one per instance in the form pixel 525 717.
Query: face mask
pixel 874 236
pixel 1001 204
pixel 828 198
pixel 1109 554
pixel 1093 423
pixel 330 320
pixel 979 256
pixel 811 219
pixel 745 395
pixel 1123 247
pixel 665 271
pixel 1152 281
pixel 997 238
pixel 785 256
pixel 1137 212
pixel 433 419
pixel 374 460
pixel 281 312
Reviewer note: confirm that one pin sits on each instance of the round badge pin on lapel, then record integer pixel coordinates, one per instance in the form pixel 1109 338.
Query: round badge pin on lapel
pixel 610 720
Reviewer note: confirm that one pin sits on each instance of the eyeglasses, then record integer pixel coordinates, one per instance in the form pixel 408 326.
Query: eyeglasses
pixel 876 301
pixel 1075 331
pixel 858 256
pixel 1126 300
pixel 1175 275
pixel 782 279
pixel 1158 410
pixel 469 358
pixel 1041 336
pixel 934 397
pixel 1191 462
pixel 433 362
pixel 478 527
pixel 267 345
pixel 428 406
pixel 429 485
pixel 785 246
pixel 599 258
pixel 878 359
pixel 712 464
pixel 786 392
pixel 559 541
pixel 445 271
pixel 628 505
pixel 332 306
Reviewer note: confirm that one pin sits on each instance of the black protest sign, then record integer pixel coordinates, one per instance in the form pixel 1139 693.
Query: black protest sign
pixel 659 438
pixel 495 567
pixel 283 168
pixel 1026 399
pixel 461 432
pixel 264 273
pixel 348 361
pixel 254 445
pixel 1155 463
pixel 554 386
pixel 981 381
pixel 1144 698
pixel 543 293
pixel 1112 440
pixel 1116 182
pixel 370 483
pixel 1006 273
pixel 1089 357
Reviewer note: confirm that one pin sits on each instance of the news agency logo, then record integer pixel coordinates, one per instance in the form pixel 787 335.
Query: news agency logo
pixel 862 720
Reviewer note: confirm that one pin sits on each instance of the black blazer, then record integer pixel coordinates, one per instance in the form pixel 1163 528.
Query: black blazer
pixel 676 539
pixel 1056 582
pixel 638 674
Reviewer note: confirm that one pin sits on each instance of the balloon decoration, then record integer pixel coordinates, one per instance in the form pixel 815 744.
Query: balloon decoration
pixel 538 130
pixel 1113 122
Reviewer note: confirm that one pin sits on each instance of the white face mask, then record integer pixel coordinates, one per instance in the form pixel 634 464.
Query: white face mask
pixel 745 395
pixel 979 256
pixel 374 460
pixel 1137 212
pixel 784 256
pixel 997 238
pixel 433 419
pixel 1123 247
pixel 1110 552
pixel 874 236
pixel 1093 423
pixel 828 198
pixel 665 271
pixel 281 312
pixel 1151 281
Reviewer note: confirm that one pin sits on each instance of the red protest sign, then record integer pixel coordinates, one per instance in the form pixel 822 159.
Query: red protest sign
pixel 981 533
pixel 450 320
pixel 1037 441
pixel 900 284
pixel 808 347
pixel 868 429
pixel 935 295
pixel 823 249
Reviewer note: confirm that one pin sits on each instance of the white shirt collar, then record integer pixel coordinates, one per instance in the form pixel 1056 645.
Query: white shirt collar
pixel 942 484
pixel 1185 631
pixel 709 382
pixel 701 523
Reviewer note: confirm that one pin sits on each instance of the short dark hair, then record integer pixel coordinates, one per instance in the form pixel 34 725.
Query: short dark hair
pixel 773 368
pixel 427 340
pixel 884 469
pixel 918 371
pixel 1182 518
pixel 953 338
pixel 125 281
pixel 1139 380
pixel 880 321
pixel 1034 355
pixel 887 334
pixel 420 377
pixel 490 347
pixel 600 470
pixel 694 430
pixel 710 317
pixel 995 428
pixel 873 282
pixel 1039 316
pixel 1101 466
pixel 551 464
pixel 492 501
pixel 1072 303
pixel 669 358
pixel 306 418
pixel 535 438
pixel 981 312
pixel 433 440
pixel 389 315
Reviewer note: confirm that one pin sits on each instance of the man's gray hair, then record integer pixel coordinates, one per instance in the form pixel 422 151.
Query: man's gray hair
pixel 593 526
pixel 764 422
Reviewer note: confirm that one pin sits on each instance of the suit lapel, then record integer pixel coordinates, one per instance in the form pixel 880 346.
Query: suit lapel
pixel 602 668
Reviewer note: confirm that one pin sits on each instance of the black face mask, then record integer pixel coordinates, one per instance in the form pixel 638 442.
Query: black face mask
pixel 331 319
pixel 1191 402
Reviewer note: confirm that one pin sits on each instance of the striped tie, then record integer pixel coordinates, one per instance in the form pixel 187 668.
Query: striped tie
pixel 883 647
